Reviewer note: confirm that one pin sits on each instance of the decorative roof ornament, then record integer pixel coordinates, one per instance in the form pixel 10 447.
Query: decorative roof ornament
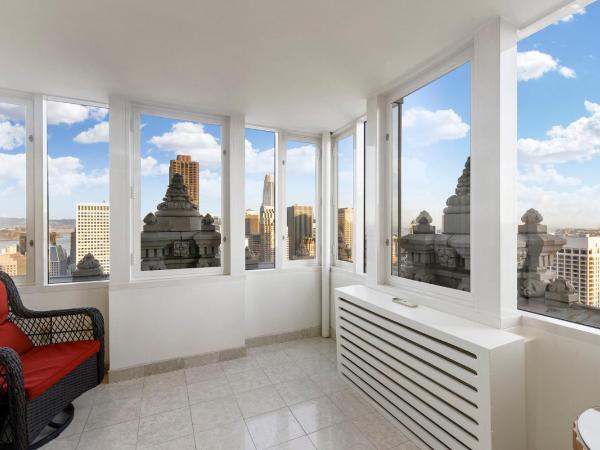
pixel 424 218
pixel 88 266
pixel 532 216
pixel 208 223
pixel 177 200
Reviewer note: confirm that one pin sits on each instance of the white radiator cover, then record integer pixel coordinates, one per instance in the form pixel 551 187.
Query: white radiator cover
pixel 449 382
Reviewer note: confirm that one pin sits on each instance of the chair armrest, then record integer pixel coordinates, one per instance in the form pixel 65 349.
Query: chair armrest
pixel 61 325
pixel 12 394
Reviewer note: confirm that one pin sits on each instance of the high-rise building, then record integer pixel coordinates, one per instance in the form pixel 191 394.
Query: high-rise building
pixel 269 191
pixel 92 233
pixel 57 261
pixel 299 227
pixel 190 171
pixel 252 222
pixel 267 234
pixel 579 262
pixel 12 261
pixel 344 220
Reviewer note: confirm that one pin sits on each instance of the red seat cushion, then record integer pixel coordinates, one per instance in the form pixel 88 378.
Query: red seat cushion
pixel 3 303
pixel 11 336
pixel 44 366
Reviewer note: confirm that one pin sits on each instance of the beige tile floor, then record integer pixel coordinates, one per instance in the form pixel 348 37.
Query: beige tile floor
pixel 280 396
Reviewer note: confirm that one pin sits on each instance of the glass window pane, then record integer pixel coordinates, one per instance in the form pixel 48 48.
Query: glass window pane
pixel 180 194
pixel 345 198
pixel 431 225
pixel 558 165
pixel 301 182
pixel 260 199
pixel 13 195
pixel 78 193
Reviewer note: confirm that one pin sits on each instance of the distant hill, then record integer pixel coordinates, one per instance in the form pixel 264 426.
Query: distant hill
pixel 16 222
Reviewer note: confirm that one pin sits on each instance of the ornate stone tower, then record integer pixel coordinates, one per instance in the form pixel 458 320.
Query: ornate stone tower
pixel 177 236
pixel 443 259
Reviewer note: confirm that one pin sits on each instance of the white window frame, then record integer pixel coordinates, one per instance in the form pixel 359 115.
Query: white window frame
pixel 283 137
pixel 348 131
pixel 31 185
pixel 44 190
pixel 138 109
pixel 277 170
pixel 427 293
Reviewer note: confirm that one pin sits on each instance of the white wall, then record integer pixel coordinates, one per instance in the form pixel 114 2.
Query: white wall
pixel 341 278
pixel 157 321
pixel 282 301
pixel 562 380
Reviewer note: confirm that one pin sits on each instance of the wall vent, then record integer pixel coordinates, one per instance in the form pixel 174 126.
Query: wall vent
pixel 446 380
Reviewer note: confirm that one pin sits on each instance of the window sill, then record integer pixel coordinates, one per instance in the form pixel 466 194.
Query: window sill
pixel 560 327
pixel 62 287
pixel 349 271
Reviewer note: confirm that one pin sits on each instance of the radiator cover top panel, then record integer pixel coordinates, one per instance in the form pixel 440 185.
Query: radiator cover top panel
pixel 447 381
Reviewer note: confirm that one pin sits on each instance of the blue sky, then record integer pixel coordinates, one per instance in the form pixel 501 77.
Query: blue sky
pixel 162 139
pixel 260 160
pixel 559 121
pixel 345 187
pixel 435 144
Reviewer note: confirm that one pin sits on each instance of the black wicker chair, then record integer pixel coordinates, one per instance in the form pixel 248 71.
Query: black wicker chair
pixel 65 346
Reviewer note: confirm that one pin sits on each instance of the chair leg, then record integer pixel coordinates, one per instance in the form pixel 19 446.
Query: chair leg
pixel 58 428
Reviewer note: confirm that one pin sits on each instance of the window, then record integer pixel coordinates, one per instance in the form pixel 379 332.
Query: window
pixel 78 192
pixel 180 197
pixel 431 183
pixel 364 192
pixel 13 190
pixel 344 216
pixel 300 197
pixel 558 164
pixel 260 199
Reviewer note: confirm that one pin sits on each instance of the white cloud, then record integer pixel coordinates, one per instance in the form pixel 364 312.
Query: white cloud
pixel 562 208
pixel 66 175
pixel 259 162
pixel 534 64
pixel 9 111
pixel 301 160
pixel 69 113
pixel 12 168
pixel 98 133
pixel 150 166
pixel 191 139
pixel 539 175
pixel 567 72
pixel 577 11
pixel 578 141
pixel 210 192
pixel 424 127
pixel 11 135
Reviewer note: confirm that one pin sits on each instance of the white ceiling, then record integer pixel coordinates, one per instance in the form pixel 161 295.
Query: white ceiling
pixel 304 65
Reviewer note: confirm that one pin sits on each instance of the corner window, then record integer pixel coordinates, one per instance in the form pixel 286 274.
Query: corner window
pixel 180 199
pixel 558 165
pixel 261 203
pixel 300 197
pixel 14 217
pixel 430 239
pixel 344 211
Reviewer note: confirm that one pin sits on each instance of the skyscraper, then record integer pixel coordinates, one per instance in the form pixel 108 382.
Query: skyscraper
pixel 267 234
pixel 269 191
pixel 252 222
pixel 344 221
pixel 299 228
pixel 579 262
pixel 12 261
pixel 190 171
pixel 92 233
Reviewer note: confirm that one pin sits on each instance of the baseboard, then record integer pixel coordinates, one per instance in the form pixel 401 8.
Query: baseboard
pixel 283 337
pixel 169 365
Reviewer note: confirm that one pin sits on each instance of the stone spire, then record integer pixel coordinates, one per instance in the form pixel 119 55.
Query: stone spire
pixel 457 214
pixel 176 212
